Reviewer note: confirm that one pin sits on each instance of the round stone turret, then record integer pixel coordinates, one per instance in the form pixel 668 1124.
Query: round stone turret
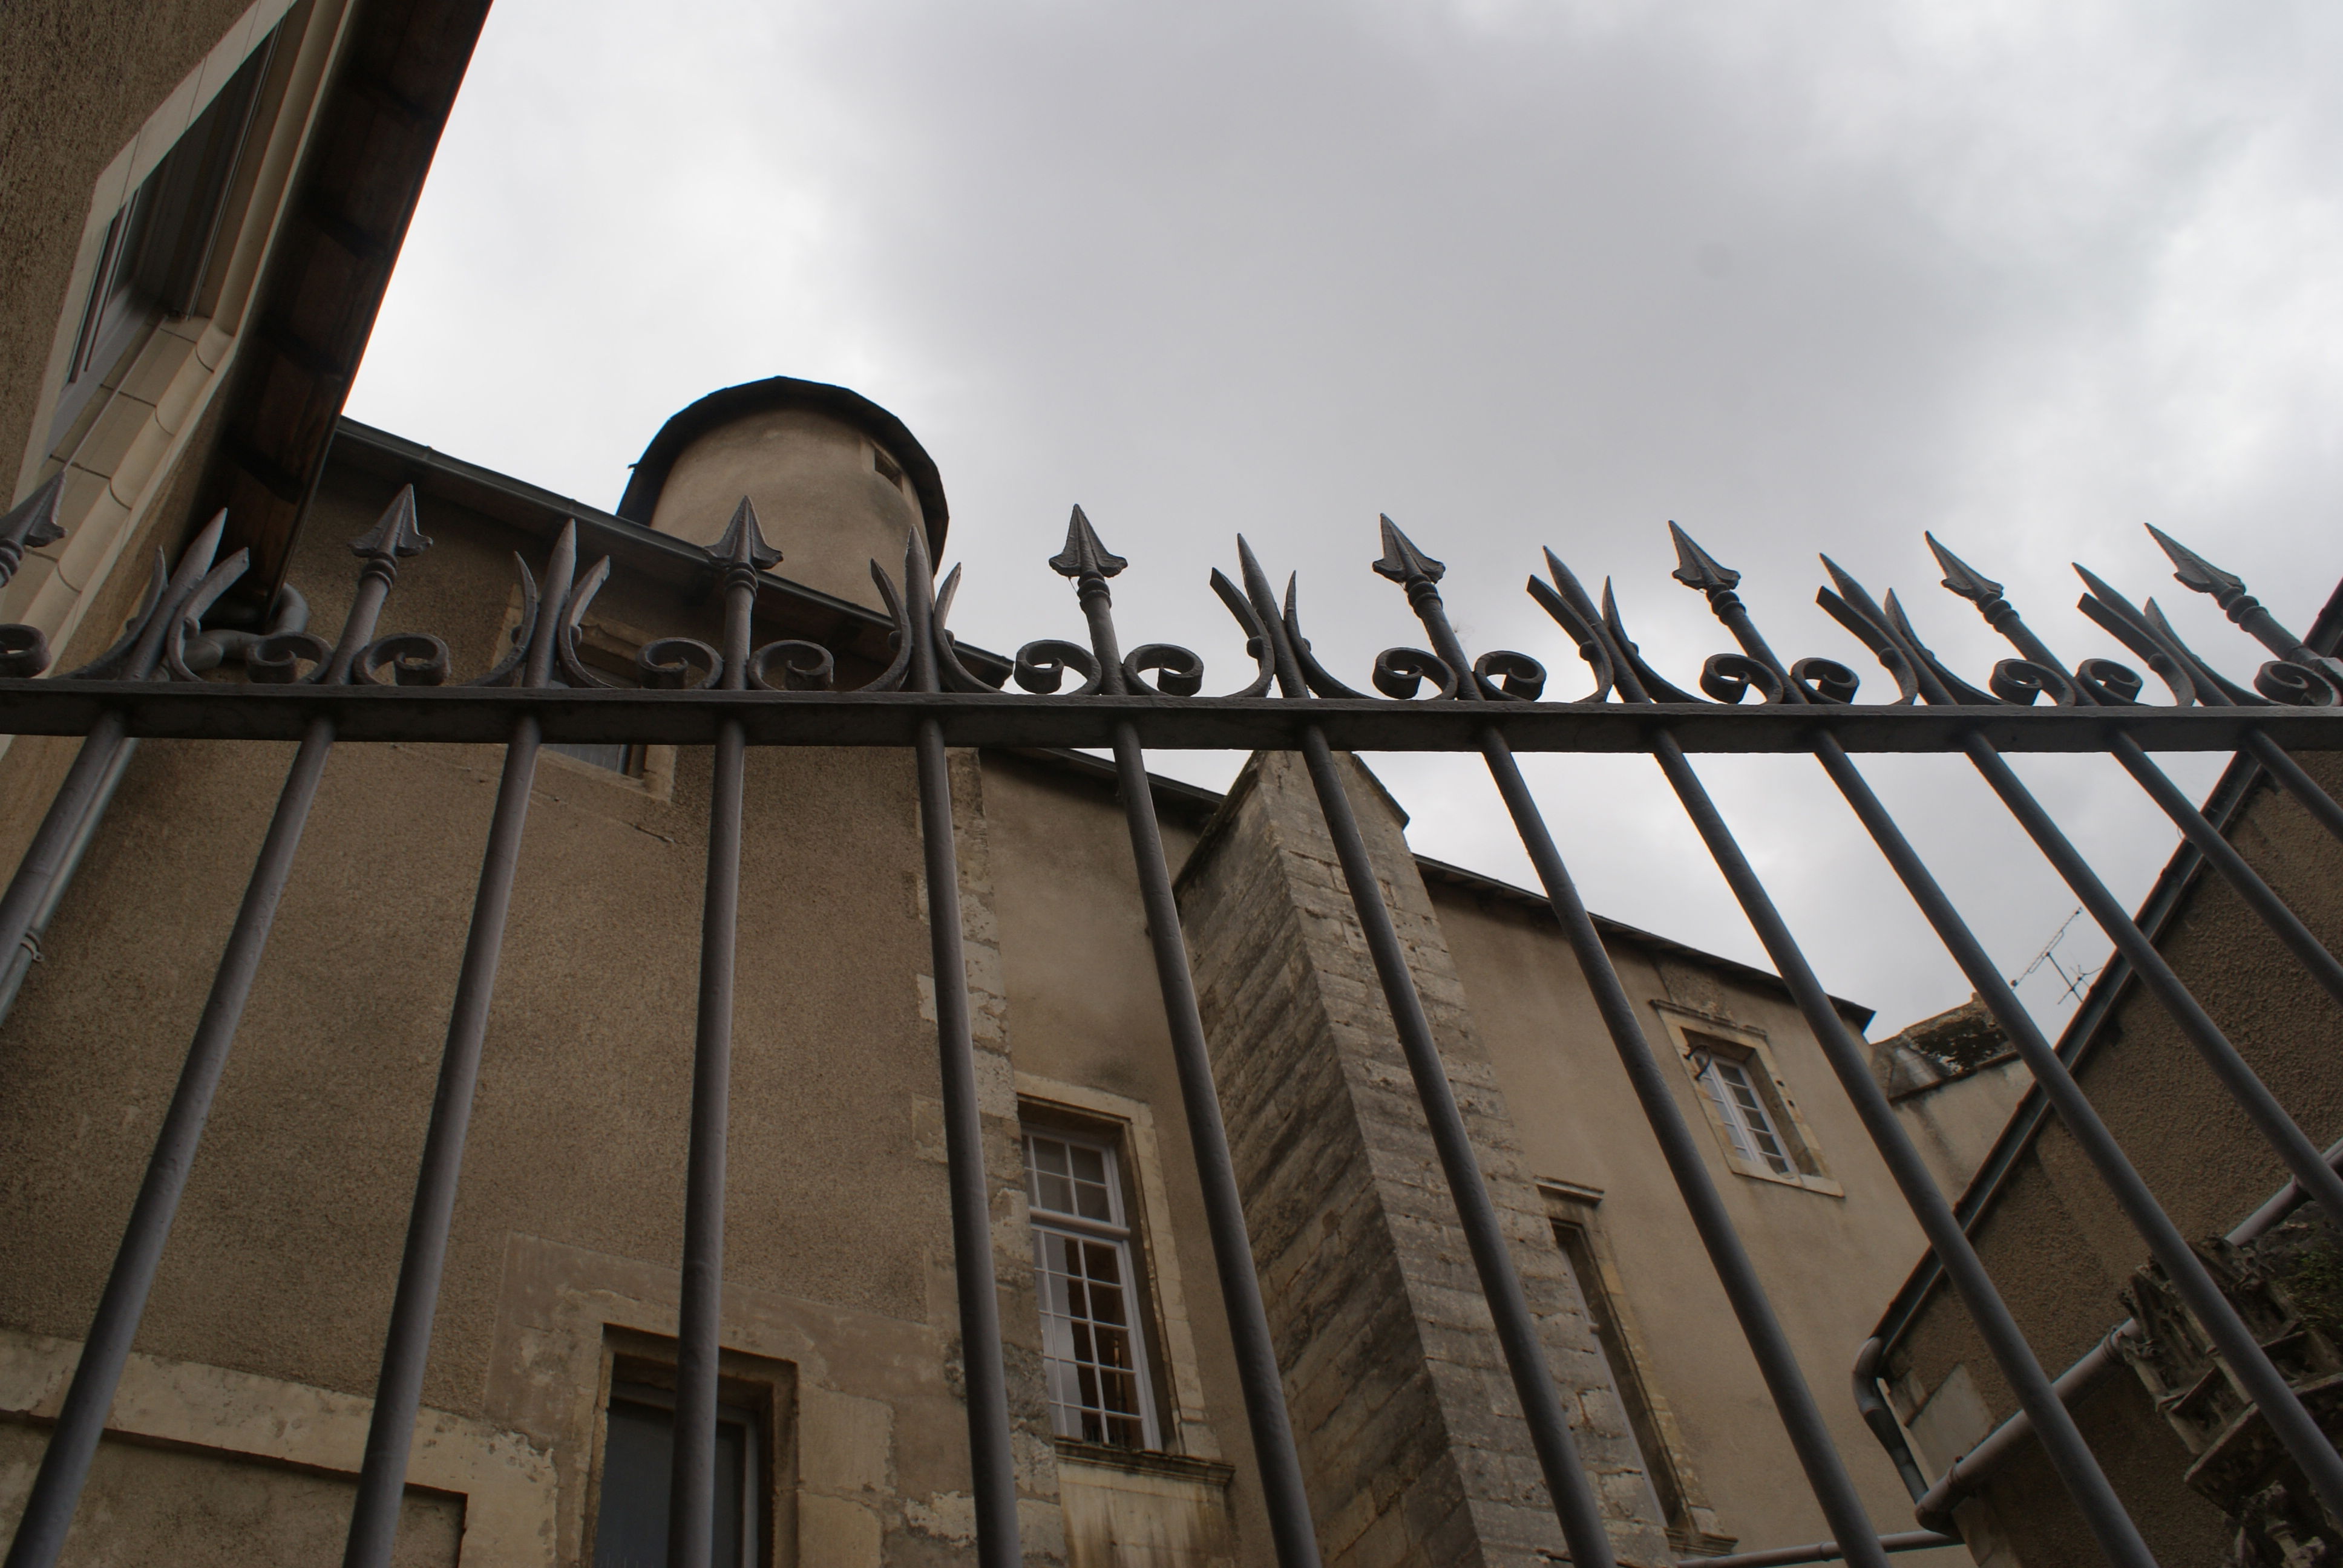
pixel 837 480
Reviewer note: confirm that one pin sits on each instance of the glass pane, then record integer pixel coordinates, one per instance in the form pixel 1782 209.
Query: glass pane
pixel 613 757
pixel 1089 1350
pixel 638 1460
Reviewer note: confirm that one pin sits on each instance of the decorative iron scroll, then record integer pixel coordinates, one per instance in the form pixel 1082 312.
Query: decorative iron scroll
pixel 2296 678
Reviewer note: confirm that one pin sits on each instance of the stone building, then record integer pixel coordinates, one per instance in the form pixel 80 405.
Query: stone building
pixel 202 206
pixel 2189 1457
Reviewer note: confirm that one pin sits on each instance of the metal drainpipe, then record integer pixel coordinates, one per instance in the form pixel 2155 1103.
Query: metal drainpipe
pixel 212 648
pixel 1968 1475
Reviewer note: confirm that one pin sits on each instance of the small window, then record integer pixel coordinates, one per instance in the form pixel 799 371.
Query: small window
pixel 1745 1102
pixel 159 246
pixel 1692 1524
pixel 1092 1354
pixel 637 1460
pixel 1742 1109
pixel 617 756
pixel 889 470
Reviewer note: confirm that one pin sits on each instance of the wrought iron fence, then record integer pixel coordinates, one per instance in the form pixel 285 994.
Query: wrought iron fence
pixel 369 688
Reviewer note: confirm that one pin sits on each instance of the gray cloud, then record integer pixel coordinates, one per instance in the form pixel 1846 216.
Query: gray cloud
pixel 1520 274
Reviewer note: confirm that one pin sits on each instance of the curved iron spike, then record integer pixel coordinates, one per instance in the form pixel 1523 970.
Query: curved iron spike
pixel 1257 645
pixel 523 633
pixel 1593 648
pixel 1696 568
pixel 1084 556
pixel 2236 696
pixel 216 581
pixel 1402 562
pixel 1961 691
pixel 574 669
pixel 891 679
pixel 954 675
pixel 1875 638
pixel 1661 689
pixel 1314 674
pixel 2121 619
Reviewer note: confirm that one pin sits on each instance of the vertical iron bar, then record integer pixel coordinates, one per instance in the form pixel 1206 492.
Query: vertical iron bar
pixel 1283 1495
pixel 2235 1342
pixel 2070 1456
pixel 2211 843
pixel 81 1421
pixel 2252 1095
pixel 993 1476
pixel 1525 1359
pixel 691 1496
pixel 398 1389
pixel 2298 783
pixel 44 856
pixel 1802 1419
pixel 2004 618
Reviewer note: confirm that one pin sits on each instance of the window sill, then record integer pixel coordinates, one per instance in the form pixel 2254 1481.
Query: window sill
pixel 1145 1462
pixel 1822 1185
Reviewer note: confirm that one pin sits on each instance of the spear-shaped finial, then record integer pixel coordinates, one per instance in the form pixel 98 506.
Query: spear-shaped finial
pixel 1083 555
pixel 394 535
pixel 1962 577
pixel 1402 562
pixel 1696 568
pixel 743 543
pixel 2196 572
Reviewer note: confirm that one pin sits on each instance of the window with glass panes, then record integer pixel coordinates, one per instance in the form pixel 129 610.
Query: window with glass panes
pixel 1732 1086
pixel 1091 1352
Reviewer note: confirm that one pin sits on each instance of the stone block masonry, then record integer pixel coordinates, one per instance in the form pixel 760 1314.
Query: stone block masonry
pixel 1413 1442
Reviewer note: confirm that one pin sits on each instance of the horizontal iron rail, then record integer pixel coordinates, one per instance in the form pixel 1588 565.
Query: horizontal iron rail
pixel 485 715
pixel 1820 1552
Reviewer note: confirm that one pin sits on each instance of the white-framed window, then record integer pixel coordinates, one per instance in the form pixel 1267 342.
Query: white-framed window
pixel 1737 1075
pixel 1094 1354
pixel 1742 1109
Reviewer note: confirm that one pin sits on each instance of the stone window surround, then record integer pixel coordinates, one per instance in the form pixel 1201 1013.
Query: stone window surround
pixel 760 1384
pixel 1178 1390
pixel 122 447
pixel 1682 1023
pixel 508 1485
pixel 1697 1531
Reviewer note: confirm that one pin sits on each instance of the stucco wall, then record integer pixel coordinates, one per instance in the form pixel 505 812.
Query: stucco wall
pixel 286 1247
pixel 1827 1261
pixel 77 79
pixel 2053 1239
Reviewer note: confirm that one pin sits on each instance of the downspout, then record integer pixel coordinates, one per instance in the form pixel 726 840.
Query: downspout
pixel 1933 1507
pixel 206 651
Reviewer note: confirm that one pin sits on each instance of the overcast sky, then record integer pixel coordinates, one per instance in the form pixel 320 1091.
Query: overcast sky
pixel 1805 278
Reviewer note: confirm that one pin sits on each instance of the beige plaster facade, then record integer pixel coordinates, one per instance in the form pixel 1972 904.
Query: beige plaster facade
pixel 240 1422
pixel 840 1306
